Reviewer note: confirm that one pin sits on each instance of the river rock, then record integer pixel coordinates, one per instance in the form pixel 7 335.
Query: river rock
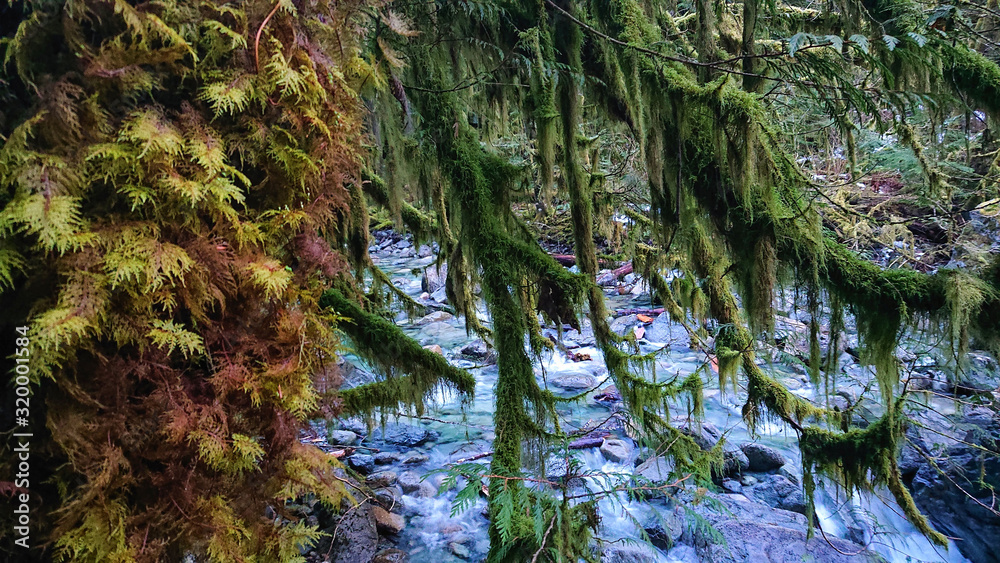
pixel 402 434
pixel 381 479
pixel 629 553
pixel 386 458
pixel 734 462
pixel 387 497
pixel 665 528
pixel 425 490
pixel 662 330
pixel 753 532
pixel 557 470
pixel 434 278
pixel 440 296
pixel 435 317
pixel 341 437
pixel 409 481
pixel 356 538
pixel 573 381
pixel 459 550
pixel 763 458
pixel 655 470
pixel 436 348
pixel 624 323
pixel 705 434
pixel 779 492
pixel 353 376
pixel 952 511
pixel 362 463
pixel 416 459
pixel 732 486
pixel 476 350
pixel 616 450
pixel 391 556
pixel 387 522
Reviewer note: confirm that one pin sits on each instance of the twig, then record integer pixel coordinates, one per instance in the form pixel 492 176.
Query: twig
pixel 260 30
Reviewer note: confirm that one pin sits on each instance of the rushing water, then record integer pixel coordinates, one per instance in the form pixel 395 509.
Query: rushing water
pixel 434 535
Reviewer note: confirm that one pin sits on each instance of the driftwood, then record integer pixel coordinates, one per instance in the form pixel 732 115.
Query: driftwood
pixel 649 312
pixel 569 260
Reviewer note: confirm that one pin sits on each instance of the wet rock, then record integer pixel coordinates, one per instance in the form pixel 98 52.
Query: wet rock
pixel 434 278
pixel 341 437
pixel 732 486
pixel 409 481
pixel 424 251
pixel 477 350
pixel 631 553
pixel 662 331
pixel 656 470
pixel 753 532
pixel 748 480
pixel 435 317
pixel 362 463
pixel 607 278
pixel 616 450
pixel 387 497
pixel 706 435
pixel 353 376
pixel 459 550
pixel 435 348
pixel 387 522
pixel 951 510
pixel 402 434
pixel 779 492
pixel 425 490
pixel 416 459
pixel 391 556
pixel 557 470
pixel 356 538
pixel 386 458
pixel 608 395
pixel 440 296
pixel 734 462
pixel 381 479
pixel 763 458
pixel 665 529
pixel 623 324
pixel 573 381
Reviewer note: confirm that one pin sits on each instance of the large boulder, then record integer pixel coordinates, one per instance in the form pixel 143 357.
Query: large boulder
pixel 763 458
pixel 662 330
pixel 616 450
pixel 434 278
pixel 362 463
pixel 402 434
pixel 779 492
pixel 752 532
pixel 356 536
pixel 957 512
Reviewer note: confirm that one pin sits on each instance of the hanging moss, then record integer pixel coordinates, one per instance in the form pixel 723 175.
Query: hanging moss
pixel 862 460
pixel 412 373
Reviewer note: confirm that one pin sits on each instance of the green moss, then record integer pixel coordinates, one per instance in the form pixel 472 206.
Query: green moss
pixel 862 460
pixel 412 373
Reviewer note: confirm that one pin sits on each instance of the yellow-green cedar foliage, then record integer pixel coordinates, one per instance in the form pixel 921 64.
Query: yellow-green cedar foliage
pixel 171 174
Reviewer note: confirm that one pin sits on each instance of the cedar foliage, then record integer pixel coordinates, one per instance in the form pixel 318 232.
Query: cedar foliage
pixel 175 187
pixel 183 180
